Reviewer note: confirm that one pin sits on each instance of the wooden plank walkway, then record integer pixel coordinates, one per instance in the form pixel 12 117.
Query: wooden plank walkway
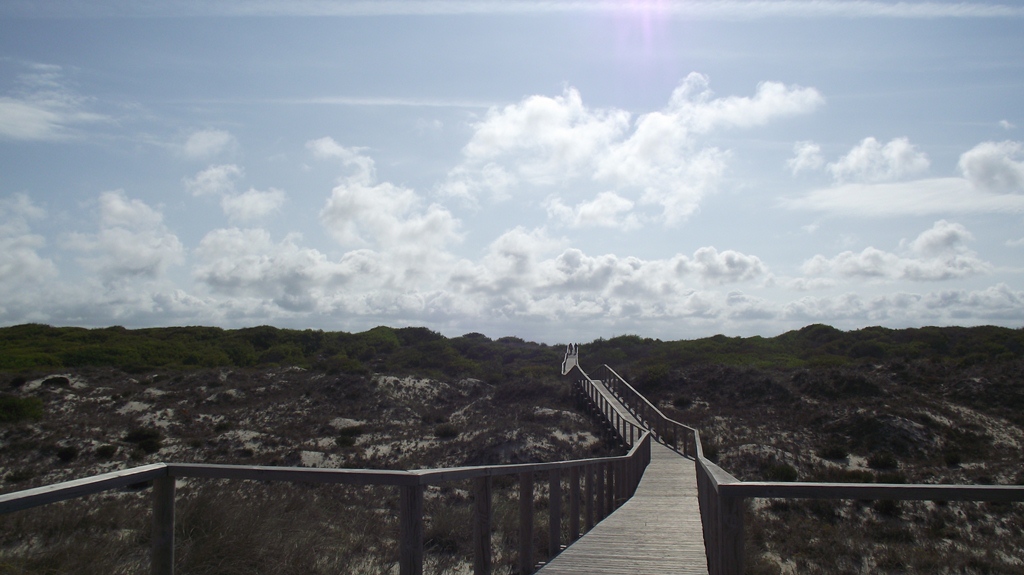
pixel 657 532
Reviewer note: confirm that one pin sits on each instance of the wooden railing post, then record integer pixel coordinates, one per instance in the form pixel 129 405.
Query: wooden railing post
pixel 526 523
pixel 162 562
pixel 554 512
pixel 599 496
pixel 482 529
pixel 574 503
pixel 610 492
pixel 410 543
pixel 588 520
pixel 730 535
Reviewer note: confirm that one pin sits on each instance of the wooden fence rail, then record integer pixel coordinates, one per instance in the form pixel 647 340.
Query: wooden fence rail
pixel 723 497
pixel 595 488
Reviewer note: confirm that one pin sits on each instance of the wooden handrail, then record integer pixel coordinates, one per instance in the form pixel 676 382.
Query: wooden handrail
pixel 63 491
pixel 722 496
pixel 411 486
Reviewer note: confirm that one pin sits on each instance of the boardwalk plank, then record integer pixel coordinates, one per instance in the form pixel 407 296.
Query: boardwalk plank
pixel 657 532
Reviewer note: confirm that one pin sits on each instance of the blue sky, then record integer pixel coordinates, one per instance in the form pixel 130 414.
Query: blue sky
pixel 552 170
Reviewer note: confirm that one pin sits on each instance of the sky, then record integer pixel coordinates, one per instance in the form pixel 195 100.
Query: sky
pixel 548 169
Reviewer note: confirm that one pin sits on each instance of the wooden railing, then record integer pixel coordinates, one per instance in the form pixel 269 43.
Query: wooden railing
pixel 596 487
pixel 723 497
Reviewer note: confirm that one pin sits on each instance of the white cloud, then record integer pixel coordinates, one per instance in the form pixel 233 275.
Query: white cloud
pixel 998 303
pixel 806 157
pixel 656 160
pixel 326 148
pixel 995 166
pixel 247 263
pixel 871 162
pixel 916 198
pixel 238 207
pixel 215 180
pixel 548 140
pixel 253 204
pixel 939 253
pixel 694 105
pixel 43 108
pixel 1006 125
pixel 992 182
pixel 608 210
pixel 132 241
pixel 363 212
pixel 725 267
pixel 526 272
pixel 20 263
pixel 207 144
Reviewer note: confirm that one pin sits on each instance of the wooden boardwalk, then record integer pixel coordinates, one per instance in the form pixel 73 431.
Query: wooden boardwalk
pixel 657 532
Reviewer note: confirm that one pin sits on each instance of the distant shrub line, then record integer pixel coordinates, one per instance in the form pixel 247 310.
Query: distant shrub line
pixel 420 350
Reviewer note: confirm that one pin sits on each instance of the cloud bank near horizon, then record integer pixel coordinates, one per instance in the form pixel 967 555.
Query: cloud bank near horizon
pixel 396 255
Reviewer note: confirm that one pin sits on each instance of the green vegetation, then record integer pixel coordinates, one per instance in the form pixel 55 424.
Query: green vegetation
pixel 148 439
pixel 13 408
pixel 424 352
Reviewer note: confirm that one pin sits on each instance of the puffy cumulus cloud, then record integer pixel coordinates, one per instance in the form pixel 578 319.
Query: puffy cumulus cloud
pixel 362 212
pixel 214 180
pixel 528 273
pixel 608 210
pixel 656 160
pixel 248 263
pixel 939 253
pixel 132 241
pixel 20 262
pixel 247 206
pixel 42 107
pixel 992 181
pixel 327 148
pixel 693 103
pixel 253 204
pixel 999 302
pixel 995 167
pixel 206 144
pixel 872 162
pixel 551 139
pixel 714 267
pixel 806 157
pixel 942 239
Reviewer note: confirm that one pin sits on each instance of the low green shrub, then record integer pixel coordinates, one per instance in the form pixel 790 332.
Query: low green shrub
pixel 833 450
pixel 14 408
pixel 148 439
pixel 446 431
pixel 882 460
pixel 67 453
pixel 780 472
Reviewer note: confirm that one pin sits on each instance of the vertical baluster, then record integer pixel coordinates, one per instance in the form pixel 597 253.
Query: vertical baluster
pixel 600 494
pixel 526 523
pixel 554 512
pixel 482 530
pixel 610 491
pixel 588 522
pixel 410 561
pixel 162 559
pixel 574 503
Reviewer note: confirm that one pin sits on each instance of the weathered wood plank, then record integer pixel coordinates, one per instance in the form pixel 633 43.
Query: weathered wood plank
pixel 658 531
pixel 63 491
